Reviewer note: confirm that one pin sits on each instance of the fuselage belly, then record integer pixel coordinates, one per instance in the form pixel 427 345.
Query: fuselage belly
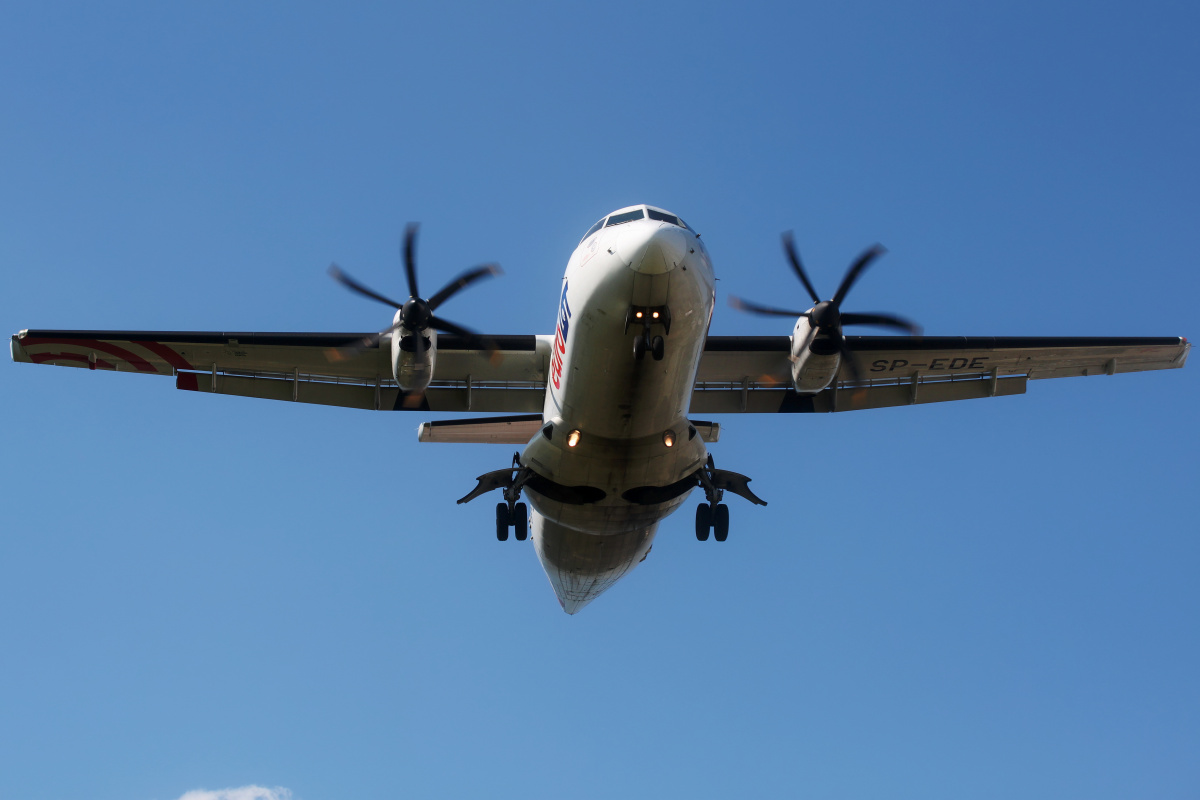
pixel 617 449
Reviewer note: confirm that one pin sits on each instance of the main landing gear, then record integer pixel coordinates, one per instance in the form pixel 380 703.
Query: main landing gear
pixel 510 513
pixel 713 515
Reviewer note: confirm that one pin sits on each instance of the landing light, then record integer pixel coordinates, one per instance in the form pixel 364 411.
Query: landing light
pixel 669 438
pixel 572 438
pixel 638 315
pixel 655 315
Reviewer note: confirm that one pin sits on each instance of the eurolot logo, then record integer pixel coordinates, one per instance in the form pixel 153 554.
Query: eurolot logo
pixel 560 339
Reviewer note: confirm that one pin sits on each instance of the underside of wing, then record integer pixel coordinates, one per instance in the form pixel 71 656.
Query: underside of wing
pixel 752 374
pixel 321 368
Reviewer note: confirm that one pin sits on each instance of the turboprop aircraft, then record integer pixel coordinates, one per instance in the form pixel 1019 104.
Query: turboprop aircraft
pixel 612 408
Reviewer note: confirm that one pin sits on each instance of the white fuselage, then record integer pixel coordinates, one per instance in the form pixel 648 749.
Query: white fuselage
pixel 620 411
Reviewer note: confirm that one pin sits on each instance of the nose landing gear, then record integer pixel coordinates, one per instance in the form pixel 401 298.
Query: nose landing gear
pixel 655 345
pixel 645 317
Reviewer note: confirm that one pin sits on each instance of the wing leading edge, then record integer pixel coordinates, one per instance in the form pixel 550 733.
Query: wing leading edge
pixel 752 374
pixel 298 367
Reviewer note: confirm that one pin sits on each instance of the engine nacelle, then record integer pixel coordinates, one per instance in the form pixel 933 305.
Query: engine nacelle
pixel 413 373
pixel 815 358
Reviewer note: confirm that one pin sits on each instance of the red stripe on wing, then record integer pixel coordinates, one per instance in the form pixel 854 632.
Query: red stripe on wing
pixel 42 358
pixel 166 354
pixel 133 359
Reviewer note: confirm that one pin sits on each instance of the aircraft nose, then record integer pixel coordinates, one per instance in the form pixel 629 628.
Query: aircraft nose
pixel 653 249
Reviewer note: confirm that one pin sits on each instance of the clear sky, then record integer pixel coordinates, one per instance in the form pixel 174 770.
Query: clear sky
pixel 987 599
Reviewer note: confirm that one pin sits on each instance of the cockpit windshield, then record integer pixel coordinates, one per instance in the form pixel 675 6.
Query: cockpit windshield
pixel 636 214
pixel 593 229
pixel 627 216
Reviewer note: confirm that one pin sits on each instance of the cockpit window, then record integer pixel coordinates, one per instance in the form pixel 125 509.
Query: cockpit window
pixel 662 216
pixel 628 216
pixel 593 229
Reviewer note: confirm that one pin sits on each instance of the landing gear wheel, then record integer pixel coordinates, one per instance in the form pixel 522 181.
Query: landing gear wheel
pixel 502 522
pixel 639 348
pixel 656 348
pixel 721 522
pixel 703 521
pixel 521 522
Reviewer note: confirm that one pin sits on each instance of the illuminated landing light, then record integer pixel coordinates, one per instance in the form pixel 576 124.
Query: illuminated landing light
pixel 669 438
pixel 572 438
pixel 638 315
pixel 655 315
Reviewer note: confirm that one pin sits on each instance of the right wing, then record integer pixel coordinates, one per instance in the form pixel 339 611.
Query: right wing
pixel 752 374
pixel 305 367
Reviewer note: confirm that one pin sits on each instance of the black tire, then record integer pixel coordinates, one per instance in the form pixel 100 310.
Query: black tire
pixel 502 522
pixel 721 523
pixel 639 348
pixel 521 522
pixel 703 521
pixel 657 346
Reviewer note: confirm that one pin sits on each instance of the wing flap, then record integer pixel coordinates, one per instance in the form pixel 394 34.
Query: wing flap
pixel 747 400
pixel 378 396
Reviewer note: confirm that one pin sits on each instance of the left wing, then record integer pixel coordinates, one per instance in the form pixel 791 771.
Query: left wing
pixel 752 374
pixel 307 367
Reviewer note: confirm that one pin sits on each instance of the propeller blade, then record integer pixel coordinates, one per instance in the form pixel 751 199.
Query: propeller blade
pixel 884 321
pixel 850 360
pixel 461 282
pixel 353 349
pixel 856 269
pixel 410 258
pixel 789 249
pixel 766 311
pixel 336 273
pixel 473 338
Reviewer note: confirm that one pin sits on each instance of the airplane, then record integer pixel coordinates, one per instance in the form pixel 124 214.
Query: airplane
pixel 611 408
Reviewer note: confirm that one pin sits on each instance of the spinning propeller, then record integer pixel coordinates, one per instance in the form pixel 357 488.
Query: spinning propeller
pixel 416 314
pixel 826 315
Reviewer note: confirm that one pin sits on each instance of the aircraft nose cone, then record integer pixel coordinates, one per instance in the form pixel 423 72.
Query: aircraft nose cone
pixel 653 249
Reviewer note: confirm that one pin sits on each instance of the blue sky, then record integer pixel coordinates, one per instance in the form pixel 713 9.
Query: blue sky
pixel 982 599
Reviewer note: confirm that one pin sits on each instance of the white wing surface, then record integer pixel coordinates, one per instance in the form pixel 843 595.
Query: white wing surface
pixel 306 367
pixel 752 374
